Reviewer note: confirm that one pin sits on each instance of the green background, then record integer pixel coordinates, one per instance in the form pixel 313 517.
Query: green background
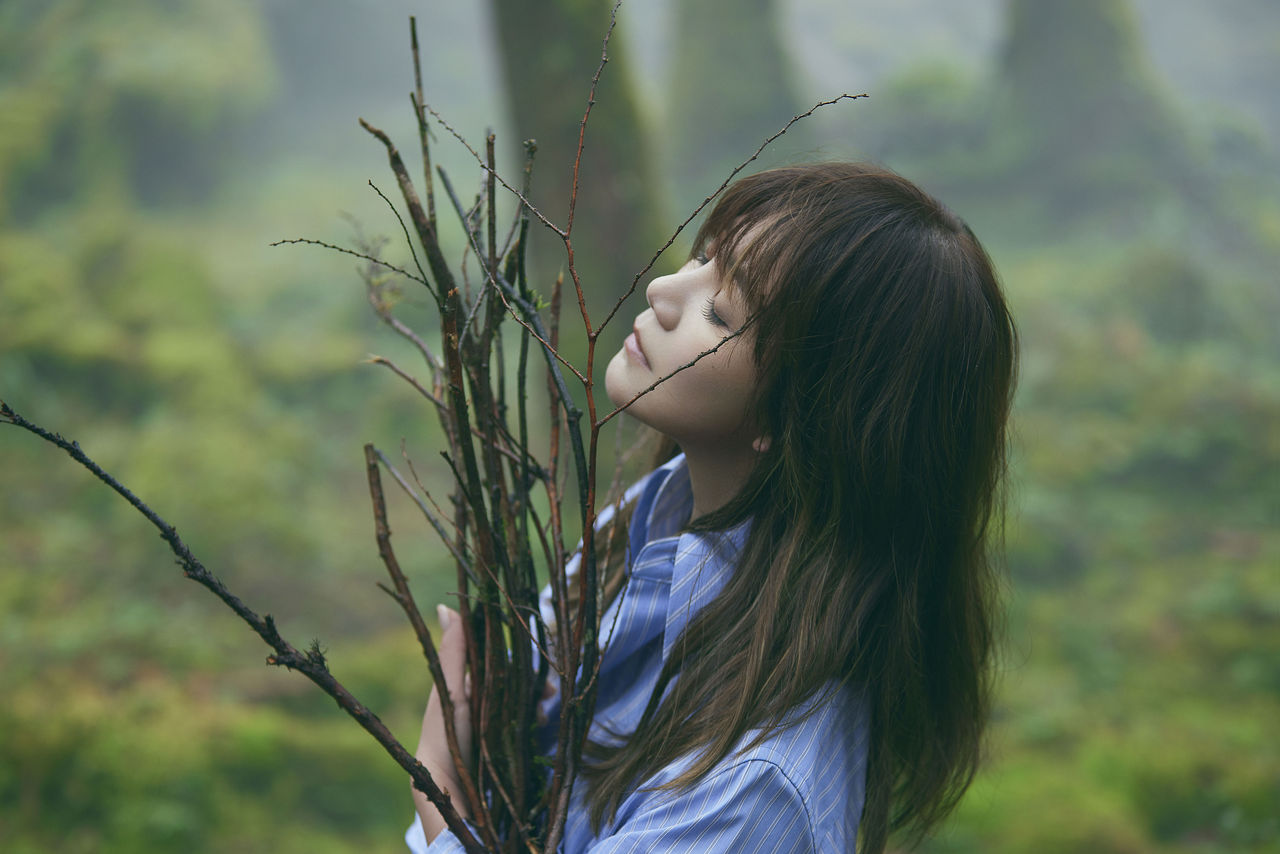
pixel 1119 160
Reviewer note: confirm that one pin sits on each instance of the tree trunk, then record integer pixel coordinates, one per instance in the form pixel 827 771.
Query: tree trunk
pixel 549 52
pixel 731 89
pixel 1086 116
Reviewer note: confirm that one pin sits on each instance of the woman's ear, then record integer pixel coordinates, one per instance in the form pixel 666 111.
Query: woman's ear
pixel 760 444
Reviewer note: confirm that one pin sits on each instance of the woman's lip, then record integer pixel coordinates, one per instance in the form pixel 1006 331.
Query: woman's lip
pixel 634 350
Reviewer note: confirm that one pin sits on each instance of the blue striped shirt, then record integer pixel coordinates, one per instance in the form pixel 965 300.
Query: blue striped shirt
pixel 800 790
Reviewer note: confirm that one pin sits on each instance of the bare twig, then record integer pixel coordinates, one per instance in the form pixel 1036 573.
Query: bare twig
pixel 432 518
pixel 586 115
pixel 546 345
pixel 425 229
pixel 409 378
pixel 424 132
pixel 422 274
pixel 583 653
pixel 371 259
pixel 521 221
pixel 404 597
pixel 532 208
pixel 413 338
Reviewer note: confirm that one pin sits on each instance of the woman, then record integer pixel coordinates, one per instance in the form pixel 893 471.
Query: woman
pixel 802 655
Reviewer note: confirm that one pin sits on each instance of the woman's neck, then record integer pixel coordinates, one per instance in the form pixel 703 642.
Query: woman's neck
pixel 716 475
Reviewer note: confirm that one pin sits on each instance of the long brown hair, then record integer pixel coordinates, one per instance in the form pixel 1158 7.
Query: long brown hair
pixel 887 361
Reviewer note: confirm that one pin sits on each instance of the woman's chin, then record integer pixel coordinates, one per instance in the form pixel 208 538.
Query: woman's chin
pixel 615 379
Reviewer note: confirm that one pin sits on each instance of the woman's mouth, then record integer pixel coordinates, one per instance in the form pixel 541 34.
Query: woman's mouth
pixel 635 351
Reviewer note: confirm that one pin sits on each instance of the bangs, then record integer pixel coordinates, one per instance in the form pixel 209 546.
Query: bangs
pixel 748 234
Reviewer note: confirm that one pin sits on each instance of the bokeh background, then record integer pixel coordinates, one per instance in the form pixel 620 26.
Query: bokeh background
pixel 1118 157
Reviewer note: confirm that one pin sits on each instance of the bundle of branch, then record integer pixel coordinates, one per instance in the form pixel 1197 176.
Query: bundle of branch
pixel 495 528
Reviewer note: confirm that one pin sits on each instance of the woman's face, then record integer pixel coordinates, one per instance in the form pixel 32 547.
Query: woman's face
pixel 690 312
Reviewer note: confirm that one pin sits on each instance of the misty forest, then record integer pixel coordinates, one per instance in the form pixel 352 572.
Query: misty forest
pixel 1119 158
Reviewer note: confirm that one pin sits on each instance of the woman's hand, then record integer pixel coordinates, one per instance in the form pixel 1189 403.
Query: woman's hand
pixel 433 745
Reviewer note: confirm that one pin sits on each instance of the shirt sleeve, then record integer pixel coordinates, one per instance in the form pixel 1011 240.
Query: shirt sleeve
pixel 751 807
pixel 444 843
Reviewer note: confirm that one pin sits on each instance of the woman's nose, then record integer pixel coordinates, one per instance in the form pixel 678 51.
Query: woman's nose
pixel 662 296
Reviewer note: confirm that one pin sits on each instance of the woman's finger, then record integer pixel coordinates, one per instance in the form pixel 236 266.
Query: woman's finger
pixel 433 748
pixel 453 652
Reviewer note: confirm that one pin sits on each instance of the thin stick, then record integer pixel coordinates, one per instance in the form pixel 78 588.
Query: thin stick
pixel 407 239
pixel 573 206
pixel 579 705
pixel 426 512
pixel 492 213
pixel 402 595
pixel 409 378
pixel 521 221
pixel 586 114
pixel 533 209
pixel 546 345
pixel 527 310
pixel 412 337
pixel 345 251
pixel 424 132
pixel 423 226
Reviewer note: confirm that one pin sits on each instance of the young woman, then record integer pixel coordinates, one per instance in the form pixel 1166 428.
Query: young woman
pixel 802 657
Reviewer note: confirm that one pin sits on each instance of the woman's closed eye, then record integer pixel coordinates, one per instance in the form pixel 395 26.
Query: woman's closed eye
pixel 713 317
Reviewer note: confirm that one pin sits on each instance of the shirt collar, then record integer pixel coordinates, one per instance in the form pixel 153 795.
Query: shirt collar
pixel 703 560
pixel 672 503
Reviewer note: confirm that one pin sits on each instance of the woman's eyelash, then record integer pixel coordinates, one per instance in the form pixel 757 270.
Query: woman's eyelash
pixel 709 312
pixel 702 258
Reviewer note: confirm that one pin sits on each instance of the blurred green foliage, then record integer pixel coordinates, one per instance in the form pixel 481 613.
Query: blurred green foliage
pixel 1143 660
pixel 141 314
